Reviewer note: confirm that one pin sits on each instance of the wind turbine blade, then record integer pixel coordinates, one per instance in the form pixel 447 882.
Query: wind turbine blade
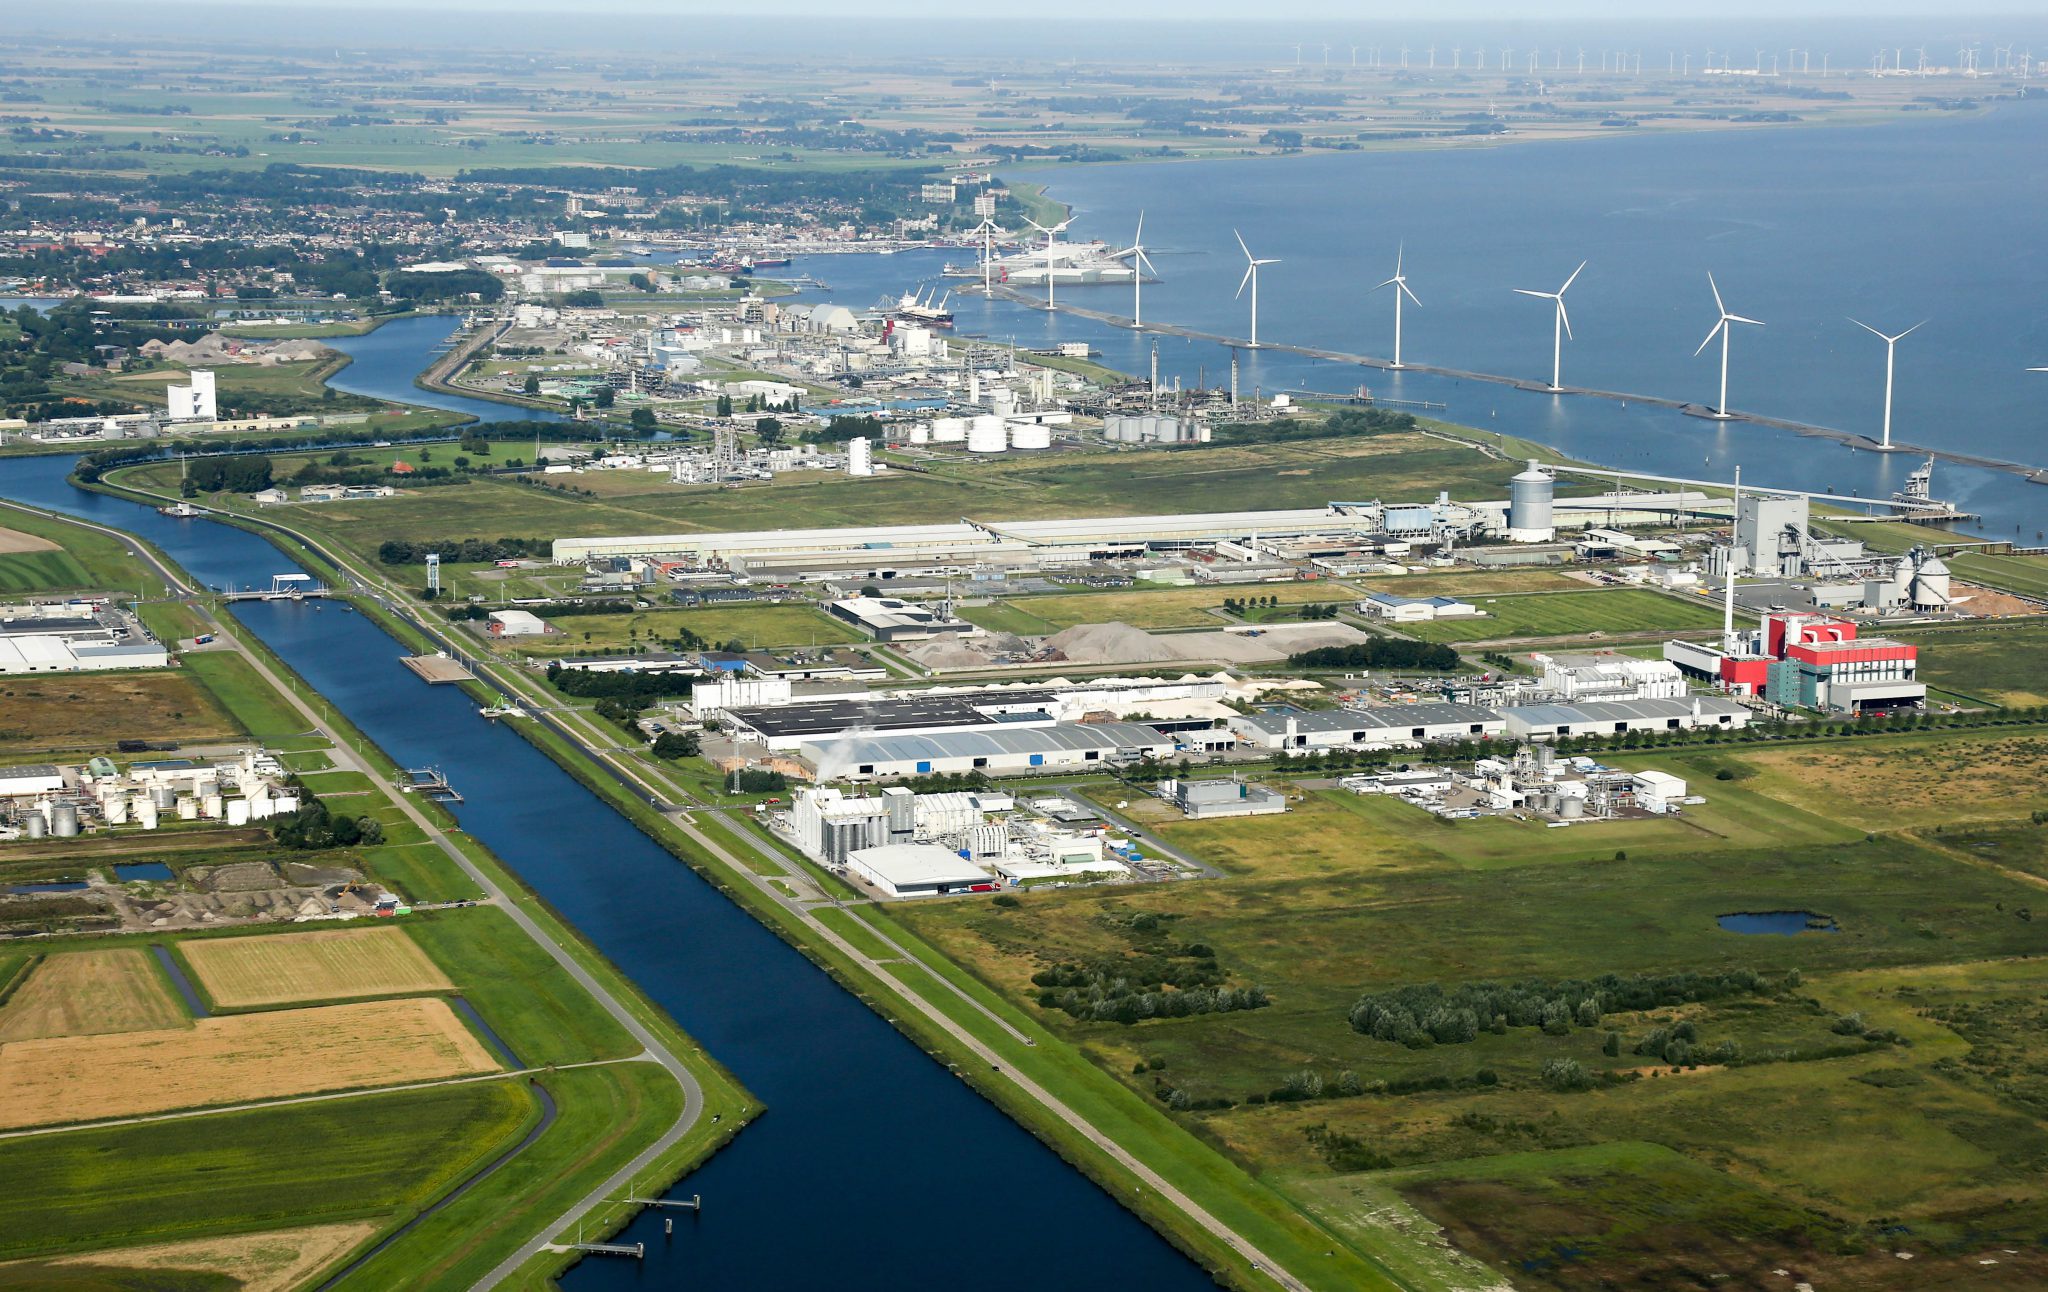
pixel 1240 244
pixel 1564 318
pixel 1036 225
pixel 1270 260
pixel 1141 229
pixel 1873 331
pixel 1548 296
pixel 1574 278
pixel 1737 318
pixel 1389 283
pixel 1714 287
pixel 1718 325
pixel 1249 270
pixel 1911 330
pixel 1400 250
pixel 1411 295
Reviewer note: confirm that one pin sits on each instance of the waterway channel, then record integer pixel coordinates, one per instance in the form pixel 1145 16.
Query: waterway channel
pixel 873 1168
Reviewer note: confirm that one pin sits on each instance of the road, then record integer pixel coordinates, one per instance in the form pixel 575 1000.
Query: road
pixel 600 747
pixel 652 1047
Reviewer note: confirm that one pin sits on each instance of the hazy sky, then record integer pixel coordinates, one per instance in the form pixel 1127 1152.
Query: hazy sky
pixel 1348 12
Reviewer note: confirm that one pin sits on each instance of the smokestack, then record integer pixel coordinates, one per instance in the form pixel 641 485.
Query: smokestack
pixel 1728 592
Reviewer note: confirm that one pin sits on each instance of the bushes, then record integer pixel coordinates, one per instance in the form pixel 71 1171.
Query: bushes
pixel 1380 652
pixel 1130 989
pixel 1426 1015
pixel 468 551
pixel 642 688
pixel 313 827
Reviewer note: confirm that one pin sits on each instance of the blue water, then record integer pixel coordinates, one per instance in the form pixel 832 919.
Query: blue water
pixel 65 886
pixel 873 1168
pixel 1802 228
pixel 131 871
pixel 386 361
pixel 1780 923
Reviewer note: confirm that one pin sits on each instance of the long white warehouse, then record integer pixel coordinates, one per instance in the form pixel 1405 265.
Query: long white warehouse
pixel 995 753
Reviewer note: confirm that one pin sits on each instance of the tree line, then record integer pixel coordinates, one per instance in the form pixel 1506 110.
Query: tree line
pixel 1427 1014
pixel 1380 652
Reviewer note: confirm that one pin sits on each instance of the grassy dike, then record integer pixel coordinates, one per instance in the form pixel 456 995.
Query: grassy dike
pixel 1233 1196
pixel 605 1114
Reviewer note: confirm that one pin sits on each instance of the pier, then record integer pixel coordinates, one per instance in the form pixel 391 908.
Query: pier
pixel 429 781
pixel 283 587
pixel 695 1202
pixel 638 1251
pixel 438 670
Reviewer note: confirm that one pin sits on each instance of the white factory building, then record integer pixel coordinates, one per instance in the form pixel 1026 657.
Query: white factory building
pixel 918 870
pixel 1001 752
pixel 1612 717
pixel 1579 677
pixel 1388 725
pixel 194 401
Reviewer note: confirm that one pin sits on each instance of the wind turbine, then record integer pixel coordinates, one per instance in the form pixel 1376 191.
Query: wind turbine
pixel 988 229
pixel 1399 282
pixel 1563 328
pixel 1890 352
pixel 1059 228
pixel 1139 264
pixel 1251 276
pixel 1722 329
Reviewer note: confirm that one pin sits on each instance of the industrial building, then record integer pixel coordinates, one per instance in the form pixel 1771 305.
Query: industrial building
pixel 890 619
pixel 790 725
pixel 517 623
pixel 42 801
pixel 1810 661
pixel 1389 725
pixel 1409 610
pixel 74 639
pixel 918 870
pixel 1613 717
pixel 1207 800
pixel 194 401
pixel 1000 752
pixel 1574 678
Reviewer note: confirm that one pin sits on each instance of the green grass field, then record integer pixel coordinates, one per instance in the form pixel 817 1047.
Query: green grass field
pixel 2005 663
pixel 1571 614
pixel 87 559
pixel 245 695
pixel 264 1169
pixel 757 626
pixel 40 572
pixel 1144 608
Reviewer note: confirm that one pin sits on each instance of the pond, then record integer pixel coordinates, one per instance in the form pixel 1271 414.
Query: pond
pixel 1784 923
pixel 60 886
pixel 135 870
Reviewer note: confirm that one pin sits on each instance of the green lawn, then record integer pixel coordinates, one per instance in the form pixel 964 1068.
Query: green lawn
pixel 2005 663
pixel 1571 614
pixel 756 626
pixel 519 989
pixel 88 560
pixel 236 684
pixel 41 572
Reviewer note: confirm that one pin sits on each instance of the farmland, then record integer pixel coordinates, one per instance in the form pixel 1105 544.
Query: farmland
pixel 1162 608
pixel 87 712
pixel 2005 663
pixel 325 964
pixel 1899 1042
pixel 91 993
pixel 234 1058
pixel 1570 614
pixel 753 626
pixel 274 1261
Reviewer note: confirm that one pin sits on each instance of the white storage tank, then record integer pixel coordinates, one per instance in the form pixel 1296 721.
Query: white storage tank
pixel 188 809
pixel 1529 505
pixel 145 814
pixel 115 809
pixel 209 807
pixel 238 811
pixel 949 430
pixel 920 434
pixel 1030 437
pixel 987 435
pixel 64 820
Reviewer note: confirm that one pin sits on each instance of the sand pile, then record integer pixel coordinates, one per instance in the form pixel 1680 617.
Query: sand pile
pixel 1111 643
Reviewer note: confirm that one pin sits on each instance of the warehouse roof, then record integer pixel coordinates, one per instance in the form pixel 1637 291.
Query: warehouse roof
pixel 1066 737
pixel 29 771
pixel 823 717
pixel 1621 710
pixel 1427 714
pixel 912 864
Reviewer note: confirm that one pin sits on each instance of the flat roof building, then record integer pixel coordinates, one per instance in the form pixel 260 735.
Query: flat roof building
pixel 1391 724
pixel 917 870
pixel 1606 718
pixel 891 619
pixel 997 752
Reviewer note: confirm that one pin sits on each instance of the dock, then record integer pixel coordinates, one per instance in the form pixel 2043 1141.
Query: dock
pixel 438 670
pixel 283 587
pixel 638 1251
pixel 429 781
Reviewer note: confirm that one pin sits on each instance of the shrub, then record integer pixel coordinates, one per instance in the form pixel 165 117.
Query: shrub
pixel 1566 1075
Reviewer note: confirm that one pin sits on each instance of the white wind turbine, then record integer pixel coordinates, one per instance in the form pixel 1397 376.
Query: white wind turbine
pixel 1399 282
pixel 988 229
pixel 1055 230
pixel 1140 263
pixel 1891 344
pixel 1251 276
pixel 1722 329
pixel 1563 327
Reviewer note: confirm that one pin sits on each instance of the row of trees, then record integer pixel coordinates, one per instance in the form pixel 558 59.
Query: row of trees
pixel 467 551
pixel 1427 1014
pixel 1380 652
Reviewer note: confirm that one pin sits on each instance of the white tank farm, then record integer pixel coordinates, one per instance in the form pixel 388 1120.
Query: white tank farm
pixel 987 434
pixel 920 434
pixel 949 430
pixel 1030 437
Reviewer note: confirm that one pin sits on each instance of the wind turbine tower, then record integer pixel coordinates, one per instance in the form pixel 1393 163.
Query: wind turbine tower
pixel 1891 346
pixel 1251 277
pixel 1563 325
pixel 1722 329
pixel 1139 264
pixel 1050 234
pixel 1399 282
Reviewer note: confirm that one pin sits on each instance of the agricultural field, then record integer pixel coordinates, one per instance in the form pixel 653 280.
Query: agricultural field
pixel 235 1058
pixel 86 713
pixel 753 625
pixel 1157 608
pixel 1638 1141
pixel 275 1261
pixel 91 993
pixel 42 554
pixel 2004 663
pixel 1571 614
pixel 325 964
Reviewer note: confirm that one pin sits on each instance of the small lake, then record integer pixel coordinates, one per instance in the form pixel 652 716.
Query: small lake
pixel 135 870
pixel 61 886
pixel 1781 923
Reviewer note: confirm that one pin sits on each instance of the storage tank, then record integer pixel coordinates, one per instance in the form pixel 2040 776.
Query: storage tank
pixel 145 813
pixel 238 811
pixel 115 809
pixel 949 430
pixel 34 824
pixel 1529 498
pixel 209 807
pixel 1572 808
pixel 64 820
pixel 987 435
pixel 164 797
pixel 1030 437
pixel 188 809
pixel 920 434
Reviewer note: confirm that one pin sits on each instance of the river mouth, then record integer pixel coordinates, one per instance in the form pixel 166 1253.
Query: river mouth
pixel 1778 923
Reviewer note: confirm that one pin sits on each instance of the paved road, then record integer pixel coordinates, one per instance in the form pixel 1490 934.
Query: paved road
pixel 652 1047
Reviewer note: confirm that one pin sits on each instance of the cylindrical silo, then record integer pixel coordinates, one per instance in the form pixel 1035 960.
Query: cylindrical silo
pixel 64 820
pixel 920 434
pixel 1529 498
pixel 188 809
pixel 1573 808
pixel 34 824
pixel 115 809
pixel 1030 437
pixel 949 430
pixel 163 796
pixel 986 435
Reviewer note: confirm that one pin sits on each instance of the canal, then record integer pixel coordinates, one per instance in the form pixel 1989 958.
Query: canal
pixel 873 1168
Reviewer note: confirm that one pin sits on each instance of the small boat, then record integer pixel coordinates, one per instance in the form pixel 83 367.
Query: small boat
pixel 182 510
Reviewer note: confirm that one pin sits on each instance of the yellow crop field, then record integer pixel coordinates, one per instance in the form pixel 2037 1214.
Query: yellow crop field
pixel 326 964
pixel 235 1059
pixel 269 1262
pixel 89 993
